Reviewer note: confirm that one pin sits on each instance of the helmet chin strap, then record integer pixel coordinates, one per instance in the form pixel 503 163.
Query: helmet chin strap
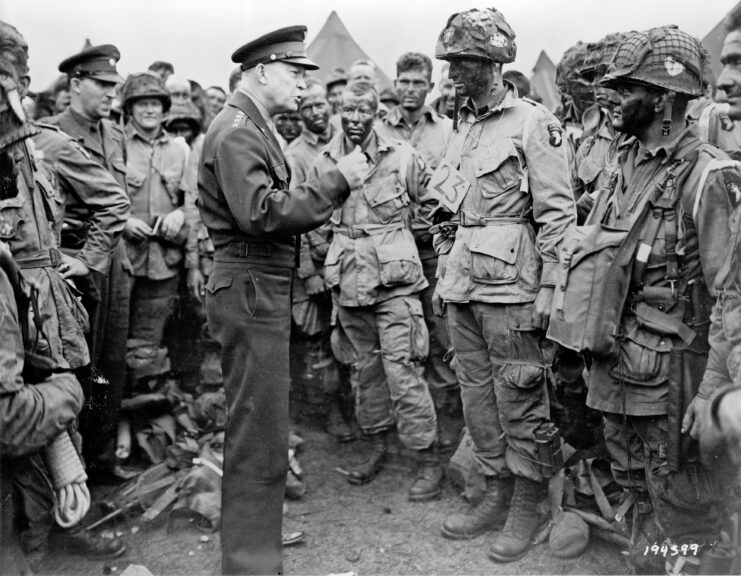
pixel 12 97
pixel 666 121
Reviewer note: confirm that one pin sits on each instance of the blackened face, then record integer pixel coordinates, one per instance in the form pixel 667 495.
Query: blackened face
pixel 315 111
pixel 357 114
pixel 472 77
pixel 635 110
pixel 288 125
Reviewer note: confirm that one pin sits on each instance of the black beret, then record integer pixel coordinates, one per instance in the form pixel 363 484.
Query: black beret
pixel 284 45
pixel 97 62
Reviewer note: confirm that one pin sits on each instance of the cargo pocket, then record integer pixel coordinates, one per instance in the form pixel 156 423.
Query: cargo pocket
pixel 494 253
pixel 643 357
pixel 386 198
pixel 498 169
pixel 419 335
pixel 333 266
pixel 398 264
pixel 216 283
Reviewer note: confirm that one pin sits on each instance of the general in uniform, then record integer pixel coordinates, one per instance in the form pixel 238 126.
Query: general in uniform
pixel 253 220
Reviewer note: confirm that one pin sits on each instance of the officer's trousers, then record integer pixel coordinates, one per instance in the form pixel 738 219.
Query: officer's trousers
pixel 389 341
pixel 249 313
pixel 107 341
pixel 501 367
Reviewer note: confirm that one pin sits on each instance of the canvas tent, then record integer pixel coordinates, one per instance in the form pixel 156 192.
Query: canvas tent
pixel 543 81
pixel 334 47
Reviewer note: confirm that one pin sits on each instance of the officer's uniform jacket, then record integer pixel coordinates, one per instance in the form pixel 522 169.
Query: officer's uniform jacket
pixel 154 171
pixel 243 187
pixel 99 204
pixel 373 255
pixel 636 382
pixel 515 160
pixel 104 140
pixel 28 208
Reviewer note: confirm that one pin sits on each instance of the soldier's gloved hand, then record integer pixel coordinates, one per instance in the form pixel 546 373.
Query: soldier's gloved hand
pixel 196 283
pixel 71 266
pixel 542 308
pixel 354 167
pixel 172 223
pixel 314 286
pixel 694 417
pixel 137 229
pixel 438 306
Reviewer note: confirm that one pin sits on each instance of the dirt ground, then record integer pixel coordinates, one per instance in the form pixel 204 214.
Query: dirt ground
pixel 367 530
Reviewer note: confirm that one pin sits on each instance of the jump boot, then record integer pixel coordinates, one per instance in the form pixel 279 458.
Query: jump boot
pixel 523 521
pixel 489 514
pixel 335 424
pixel 366 471
pixel 429 481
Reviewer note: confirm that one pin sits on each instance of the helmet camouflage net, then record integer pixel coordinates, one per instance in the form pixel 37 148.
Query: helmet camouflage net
pixel 13 50
pixel 664 57
pixel 571 63
pixel 184 111
pixel 599 56
pixel 477 33
pixel 145 85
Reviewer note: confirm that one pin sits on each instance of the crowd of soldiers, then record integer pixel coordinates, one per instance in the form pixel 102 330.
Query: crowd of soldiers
pixel 479 260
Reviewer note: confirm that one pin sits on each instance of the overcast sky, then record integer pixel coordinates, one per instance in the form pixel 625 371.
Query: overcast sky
pixel 198 36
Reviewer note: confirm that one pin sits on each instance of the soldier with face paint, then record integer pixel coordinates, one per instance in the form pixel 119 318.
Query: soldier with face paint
pixel 676 194
pixel 375 273
pixel 505 169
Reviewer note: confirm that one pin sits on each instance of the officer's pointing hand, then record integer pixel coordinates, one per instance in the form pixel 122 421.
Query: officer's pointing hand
pixel 354 167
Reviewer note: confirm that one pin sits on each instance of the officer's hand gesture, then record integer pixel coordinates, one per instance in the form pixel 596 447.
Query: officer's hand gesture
pixel 354 167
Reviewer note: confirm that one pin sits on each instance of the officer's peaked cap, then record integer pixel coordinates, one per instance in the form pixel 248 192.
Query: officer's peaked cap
pixel 284 45
pixel 98 62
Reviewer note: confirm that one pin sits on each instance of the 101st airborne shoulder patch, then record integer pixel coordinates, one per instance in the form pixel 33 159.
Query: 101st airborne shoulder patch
pixel 732 180
pixel 555 134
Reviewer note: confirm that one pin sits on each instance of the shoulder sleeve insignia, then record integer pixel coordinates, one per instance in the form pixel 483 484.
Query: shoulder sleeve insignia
pixel 80 148
pixel 238 118
pixel 555 134
pixel 733 186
